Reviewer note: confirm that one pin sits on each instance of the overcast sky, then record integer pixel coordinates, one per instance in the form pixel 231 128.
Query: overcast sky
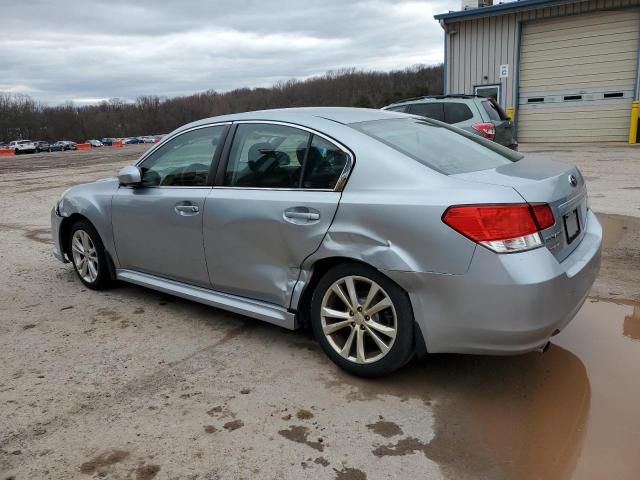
pixel 90 50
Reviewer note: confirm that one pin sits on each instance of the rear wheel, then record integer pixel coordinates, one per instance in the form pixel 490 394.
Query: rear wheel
pixel 88 256
pixel 362 320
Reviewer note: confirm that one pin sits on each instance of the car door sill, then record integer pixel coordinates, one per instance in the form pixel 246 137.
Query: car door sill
pixel 233 303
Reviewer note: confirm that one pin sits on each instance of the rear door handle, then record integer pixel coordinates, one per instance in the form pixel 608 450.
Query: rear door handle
pixel 186 208
pixel 302 215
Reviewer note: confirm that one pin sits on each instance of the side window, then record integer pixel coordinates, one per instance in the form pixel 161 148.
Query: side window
pixel 429 110
pixel 325 162
pixel 401 108
pixel 266 156
pixel 184 161
pixel 456 112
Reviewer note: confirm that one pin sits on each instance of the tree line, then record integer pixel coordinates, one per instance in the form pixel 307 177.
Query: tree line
pixel 22 117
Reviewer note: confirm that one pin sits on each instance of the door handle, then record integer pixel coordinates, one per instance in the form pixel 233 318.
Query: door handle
pixel 302 215
pixel 186 209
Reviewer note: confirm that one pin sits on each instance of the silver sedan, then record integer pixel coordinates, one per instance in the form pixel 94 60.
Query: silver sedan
pixel 389 235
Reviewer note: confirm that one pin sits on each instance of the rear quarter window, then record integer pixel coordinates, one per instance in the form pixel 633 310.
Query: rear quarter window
pixel 435 146
pixel 456 113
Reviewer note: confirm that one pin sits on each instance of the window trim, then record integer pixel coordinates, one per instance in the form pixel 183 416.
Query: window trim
pixel 487 85
pixel 214 161
pixel 224 161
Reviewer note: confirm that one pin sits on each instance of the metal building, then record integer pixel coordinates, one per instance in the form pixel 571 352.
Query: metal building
pixel 566 71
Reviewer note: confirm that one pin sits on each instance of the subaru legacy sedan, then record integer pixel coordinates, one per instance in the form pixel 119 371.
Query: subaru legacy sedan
pixel 390 235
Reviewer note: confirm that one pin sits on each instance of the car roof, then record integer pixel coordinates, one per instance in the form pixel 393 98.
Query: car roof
pixel 440 98
pixel 303 116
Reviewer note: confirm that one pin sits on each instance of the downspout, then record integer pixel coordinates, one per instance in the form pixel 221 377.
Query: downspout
pixel 516 79
pixel 445 65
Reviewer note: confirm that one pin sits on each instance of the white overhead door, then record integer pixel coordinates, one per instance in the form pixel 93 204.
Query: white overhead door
pixel 578 76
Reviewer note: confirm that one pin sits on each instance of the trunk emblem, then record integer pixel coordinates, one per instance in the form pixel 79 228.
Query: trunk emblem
pixel 573 181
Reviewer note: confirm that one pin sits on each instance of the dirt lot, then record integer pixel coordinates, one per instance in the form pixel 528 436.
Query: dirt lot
pixel 133 384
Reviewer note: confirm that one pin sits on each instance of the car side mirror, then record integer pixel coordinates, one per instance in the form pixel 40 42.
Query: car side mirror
pixel 130 176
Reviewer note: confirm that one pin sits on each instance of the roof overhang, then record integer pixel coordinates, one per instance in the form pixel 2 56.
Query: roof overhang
pixel 496 10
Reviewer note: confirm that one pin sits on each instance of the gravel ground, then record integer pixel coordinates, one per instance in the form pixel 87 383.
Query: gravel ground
pixel 134 384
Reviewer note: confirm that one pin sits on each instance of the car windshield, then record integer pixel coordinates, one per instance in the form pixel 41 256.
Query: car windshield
pixel 437 147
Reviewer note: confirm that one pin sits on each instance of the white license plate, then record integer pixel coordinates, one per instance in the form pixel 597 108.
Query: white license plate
pixel 571 225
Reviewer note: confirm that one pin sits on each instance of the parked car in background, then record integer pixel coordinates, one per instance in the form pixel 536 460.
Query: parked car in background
pixel 94 143
pixel 479 115
pixel 22 146
pixel 148 139
pixel 58 146
pixel 69 145
pixel 133 141
pixel 42 146
pixel 461 246
pixel 107 141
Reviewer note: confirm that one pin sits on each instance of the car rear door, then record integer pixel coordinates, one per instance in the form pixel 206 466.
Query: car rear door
pixel 274 199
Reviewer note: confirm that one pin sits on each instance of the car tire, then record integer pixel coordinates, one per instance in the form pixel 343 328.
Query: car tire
pixel 94 271
pixel 346 332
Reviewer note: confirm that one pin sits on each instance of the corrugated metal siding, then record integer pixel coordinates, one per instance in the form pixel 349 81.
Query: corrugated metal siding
pixel 481 45
pixel 567 67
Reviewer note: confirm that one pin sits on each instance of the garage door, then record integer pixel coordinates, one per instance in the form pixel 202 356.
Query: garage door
pixel 577 77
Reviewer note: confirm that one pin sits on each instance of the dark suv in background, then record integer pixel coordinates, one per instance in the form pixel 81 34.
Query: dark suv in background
pixel 479 115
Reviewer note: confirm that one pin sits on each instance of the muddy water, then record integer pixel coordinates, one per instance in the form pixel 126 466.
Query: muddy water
pixel 570 413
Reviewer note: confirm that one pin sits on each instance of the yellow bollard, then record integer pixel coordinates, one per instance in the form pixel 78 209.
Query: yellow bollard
pixel 633 128
pixel 510 112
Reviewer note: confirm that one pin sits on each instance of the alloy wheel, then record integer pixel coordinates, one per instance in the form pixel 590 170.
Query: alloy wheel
pixel 85 256
pixel 358 319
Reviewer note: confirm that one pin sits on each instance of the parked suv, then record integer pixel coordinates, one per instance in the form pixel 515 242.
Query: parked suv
pixel 42 146
pixel 479 115
pixel 22 146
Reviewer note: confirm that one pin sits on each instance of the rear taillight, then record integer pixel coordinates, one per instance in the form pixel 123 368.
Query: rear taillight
pixel 486 129
pixel 502 228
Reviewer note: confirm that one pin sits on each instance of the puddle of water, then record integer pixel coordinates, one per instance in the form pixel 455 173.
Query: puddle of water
pixel 570 413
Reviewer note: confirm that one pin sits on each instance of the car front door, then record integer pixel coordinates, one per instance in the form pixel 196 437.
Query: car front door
pixel 157 226
pixel 273 202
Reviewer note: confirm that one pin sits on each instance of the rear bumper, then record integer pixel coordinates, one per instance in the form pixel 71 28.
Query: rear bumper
pixel 56 222
pixel 504 304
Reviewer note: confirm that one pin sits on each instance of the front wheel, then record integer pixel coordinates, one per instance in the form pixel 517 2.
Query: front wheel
pixel 362 320
pixel 88 256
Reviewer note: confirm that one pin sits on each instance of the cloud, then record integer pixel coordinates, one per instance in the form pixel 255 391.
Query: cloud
pixel 56 51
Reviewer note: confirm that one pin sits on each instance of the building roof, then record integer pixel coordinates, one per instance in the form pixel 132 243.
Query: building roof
pixel 498 9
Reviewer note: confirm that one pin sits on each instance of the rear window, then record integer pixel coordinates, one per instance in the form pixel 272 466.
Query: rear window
pixel 456 112
pixel 436 147
pixel 429 110
pixel 494 111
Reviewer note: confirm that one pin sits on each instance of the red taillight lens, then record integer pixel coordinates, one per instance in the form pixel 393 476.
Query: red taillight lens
pixel 543 214
pixel 482 223
pixel 503 228
pixel 486 129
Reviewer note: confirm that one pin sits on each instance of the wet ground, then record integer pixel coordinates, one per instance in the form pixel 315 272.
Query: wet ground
pixel 133 384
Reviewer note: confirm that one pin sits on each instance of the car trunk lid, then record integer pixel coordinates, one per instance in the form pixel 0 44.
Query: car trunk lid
pixel 542 181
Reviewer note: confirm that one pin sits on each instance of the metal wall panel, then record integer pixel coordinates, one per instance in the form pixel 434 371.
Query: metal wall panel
pixel 478 46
